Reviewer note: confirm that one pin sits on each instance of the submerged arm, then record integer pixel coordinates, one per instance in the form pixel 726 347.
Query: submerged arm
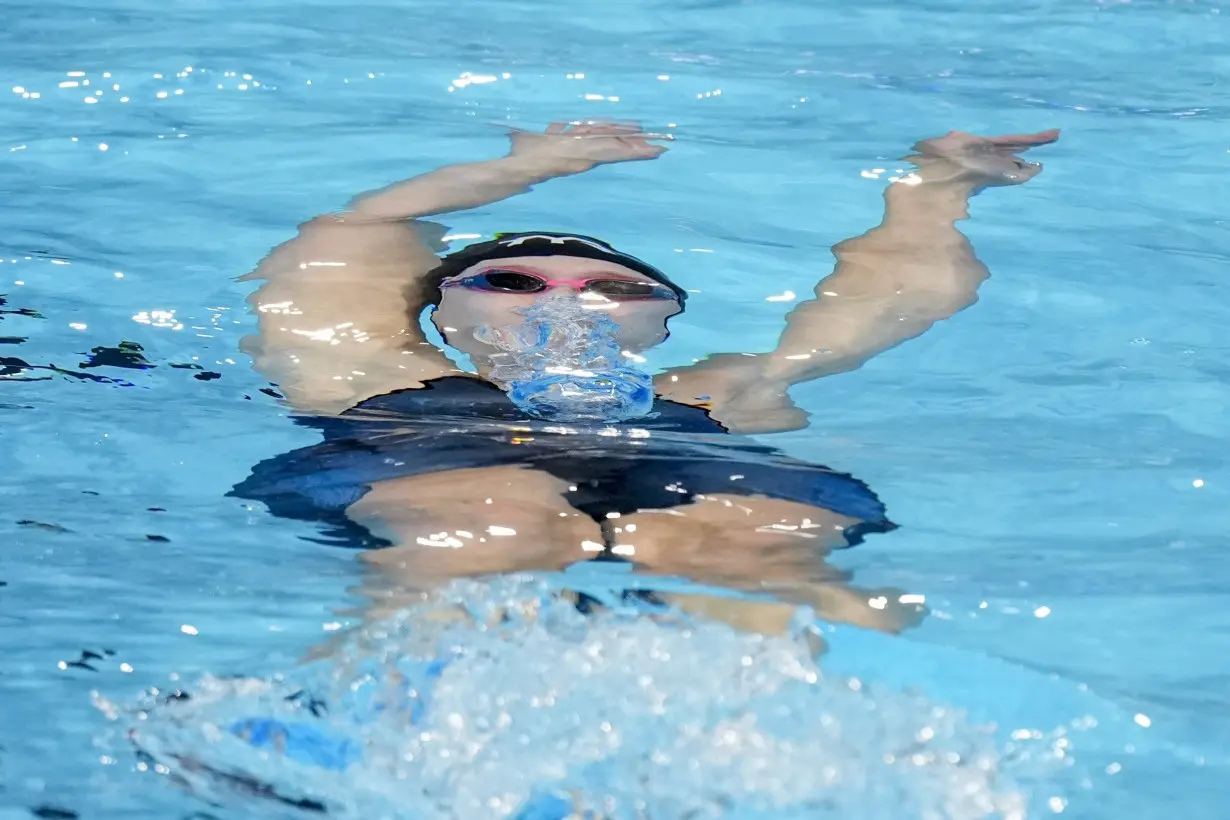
pixel 889 285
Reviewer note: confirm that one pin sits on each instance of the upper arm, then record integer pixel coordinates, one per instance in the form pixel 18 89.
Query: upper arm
pixel 334 312
pixel 880 294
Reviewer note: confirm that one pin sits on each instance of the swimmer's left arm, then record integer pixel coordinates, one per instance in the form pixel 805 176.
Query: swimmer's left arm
pixel 890 285
pixel 914 269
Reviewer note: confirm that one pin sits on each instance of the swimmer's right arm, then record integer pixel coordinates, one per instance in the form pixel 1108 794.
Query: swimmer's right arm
pixel 562 150
pixel 338 307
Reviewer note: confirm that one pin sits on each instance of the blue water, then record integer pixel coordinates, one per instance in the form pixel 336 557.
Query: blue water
pixel 1055 455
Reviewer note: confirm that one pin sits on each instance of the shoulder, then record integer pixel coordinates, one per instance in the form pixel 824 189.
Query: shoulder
pixel 454 394
pixel 733 397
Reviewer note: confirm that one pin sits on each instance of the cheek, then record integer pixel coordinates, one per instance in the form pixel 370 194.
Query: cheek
pixel 643 325
pixel 467 310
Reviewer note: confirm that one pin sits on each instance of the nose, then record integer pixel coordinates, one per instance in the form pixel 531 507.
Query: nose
pixel 574 287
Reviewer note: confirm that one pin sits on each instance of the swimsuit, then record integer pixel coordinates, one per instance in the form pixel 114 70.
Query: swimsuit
pixel 456 422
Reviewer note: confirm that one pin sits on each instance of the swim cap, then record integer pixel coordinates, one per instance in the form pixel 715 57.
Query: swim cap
pixel 509 245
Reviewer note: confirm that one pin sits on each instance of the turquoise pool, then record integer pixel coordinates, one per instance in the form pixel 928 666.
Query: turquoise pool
pixel 1054 455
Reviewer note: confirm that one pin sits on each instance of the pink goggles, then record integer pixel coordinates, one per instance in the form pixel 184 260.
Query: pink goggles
pixel 502 280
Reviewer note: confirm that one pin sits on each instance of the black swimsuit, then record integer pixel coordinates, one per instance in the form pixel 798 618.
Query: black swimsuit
pixel 460 422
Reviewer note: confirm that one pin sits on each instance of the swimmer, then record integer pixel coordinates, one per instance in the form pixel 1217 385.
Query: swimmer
pixel 438 472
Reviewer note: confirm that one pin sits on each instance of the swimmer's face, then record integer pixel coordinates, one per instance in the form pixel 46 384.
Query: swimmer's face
pixel 491 293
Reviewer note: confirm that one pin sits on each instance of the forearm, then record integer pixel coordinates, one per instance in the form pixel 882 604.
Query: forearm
pixel 890 284
pixel 456 188
pixel 914 213
pixel 915 258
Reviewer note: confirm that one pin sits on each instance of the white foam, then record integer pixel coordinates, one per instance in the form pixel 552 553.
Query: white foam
pixel 625 716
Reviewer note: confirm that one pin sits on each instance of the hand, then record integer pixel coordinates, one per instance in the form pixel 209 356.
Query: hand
pixel 572 148
pixel 980 161
pixel 881 609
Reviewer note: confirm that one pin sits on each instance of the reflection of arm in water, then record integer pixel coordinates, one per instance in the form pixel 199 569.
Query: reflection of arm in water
pixel 338 310
pixel 891 284
pixel 522 522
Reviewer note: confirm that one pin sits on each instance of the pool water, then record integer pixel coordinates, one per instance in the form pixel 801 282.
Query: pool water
pixel 1054 455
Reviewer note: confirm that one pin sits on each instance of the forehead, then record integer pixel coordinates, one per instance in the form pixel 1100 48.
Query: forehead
pixel 560 267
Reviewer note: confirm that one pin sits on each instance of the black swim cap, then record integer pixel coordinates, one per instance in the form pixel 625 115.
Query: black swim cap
pixel 508 245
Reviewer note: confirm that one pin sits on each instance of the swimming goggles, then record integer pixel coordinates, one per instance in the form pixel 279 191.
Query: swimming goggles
pixel 503 280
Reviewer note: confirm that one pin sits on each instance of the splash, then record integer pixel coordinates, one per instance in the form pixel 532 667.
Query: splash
pixel 516 705
pixel 563 363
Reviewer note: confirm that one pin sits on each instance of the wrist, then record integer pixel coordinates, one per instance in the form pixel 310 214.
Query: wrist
pixel 542 167
pixel 939 196
pixel 943 171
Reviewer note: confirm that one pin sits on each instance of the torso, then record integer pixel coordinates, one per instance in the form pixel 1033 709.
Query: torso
pixel 456 422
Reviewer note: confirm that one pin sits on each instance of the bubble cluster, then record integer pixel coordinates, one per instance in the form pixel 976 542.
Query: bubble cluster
pixel 563 362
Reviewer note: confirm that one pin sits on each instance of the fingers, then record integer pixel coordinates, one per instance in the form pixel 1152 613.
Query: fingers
pixel 880 609
pixel 1025 170
pixel 958 142
pixel 1037 138
pixel 1021 142
pixel 642 148
pixel 602 128
pixel 579 128
pixel 606 128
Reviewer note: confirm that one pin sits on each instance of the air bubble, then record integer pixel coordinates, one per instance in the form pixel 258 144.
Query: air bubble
pixel 563 362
